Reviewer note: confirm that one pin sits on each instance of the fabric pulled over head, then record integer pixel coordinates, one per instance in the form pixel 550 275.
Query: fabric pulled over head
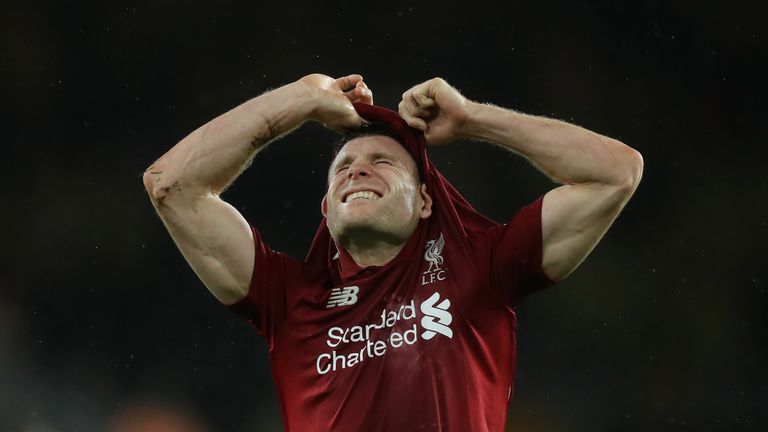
pixel 449 209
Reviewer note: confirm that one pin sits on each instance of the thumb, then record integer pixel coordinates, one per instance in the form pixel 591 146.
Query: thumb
pixel 348 82
pixel 360 93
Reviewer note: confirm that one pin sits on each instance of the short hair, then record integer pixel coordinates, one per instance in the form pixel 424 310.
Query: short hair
pixel 374 129
pixel 367 129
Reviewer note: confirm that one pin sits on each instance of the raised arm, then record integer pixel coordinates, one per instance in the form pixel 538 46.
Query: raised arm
pixel 185 184
pixel 599 174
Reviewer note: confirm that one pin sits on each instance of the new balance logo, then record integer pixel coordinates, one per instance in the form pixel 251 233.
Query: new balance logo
pixel 439 311
pixel 343 296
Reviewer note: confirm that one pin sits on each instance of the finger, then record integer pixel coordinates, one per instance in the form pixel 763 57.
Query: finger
pixel 348 82
pixel 412 120
pixel 414 111
pixel 424 90
pixel 360 95
pixel 417 123
pixel 405 110
pixel 363 93
pixel 423 100
pixel 415 107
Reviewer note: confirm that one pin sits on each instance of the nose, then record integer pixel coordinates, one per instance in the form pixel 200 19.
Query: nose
pixel 358 169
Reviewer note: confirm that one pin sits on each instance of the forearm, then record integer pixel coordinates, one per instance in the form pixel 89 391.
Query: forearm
pixel 567 153
pixel 209 159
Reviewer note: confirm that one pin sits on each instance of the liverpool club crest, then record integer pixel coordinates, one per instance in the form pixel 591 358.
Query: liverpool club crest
pixel 433 256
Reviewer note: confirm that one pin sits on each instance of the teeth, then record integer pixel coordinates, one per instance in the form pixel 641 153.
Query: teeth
pixel 362 195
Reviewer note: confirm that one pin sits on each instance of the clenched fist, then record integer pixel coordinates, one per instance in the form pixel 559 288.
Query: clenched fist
pixel 332 99
pixel 437 109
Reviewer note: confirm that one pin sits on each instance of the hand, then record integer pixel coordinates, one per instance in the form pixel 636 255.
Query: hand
pixel 437 109
pixel 332 99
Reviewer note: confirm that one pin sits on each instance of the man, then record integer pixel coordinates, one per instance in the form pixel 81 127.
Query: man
pixel 401 317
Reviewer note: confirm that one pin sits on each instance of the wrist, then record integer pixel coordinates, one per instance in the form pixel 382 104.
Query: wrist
pixel 282 109
pixel 470 127
pixel 485 122
pixel 309 97
pixel 300 102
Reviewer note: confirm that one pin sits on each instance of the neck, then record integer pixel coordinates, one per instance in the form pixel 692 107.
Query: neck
pixel 372 252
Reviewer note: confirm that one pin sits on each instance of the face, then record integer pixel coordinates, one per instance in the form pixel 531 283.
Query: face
pixel 373 192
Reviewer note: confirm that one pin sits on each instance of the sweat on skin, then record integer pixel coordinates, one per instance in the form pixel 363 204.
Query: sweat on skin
pixel 374 229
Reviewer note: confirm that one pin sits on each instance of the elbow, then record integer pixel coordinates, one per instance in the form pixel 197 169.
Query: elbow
pixel 148 182
pixel 163 191
pixel 634 167
pixel 157 190
pixel 632 170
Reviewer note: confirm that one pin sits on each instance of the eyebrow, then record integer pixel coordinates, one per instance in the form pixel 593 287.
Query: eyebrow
pixel 373 156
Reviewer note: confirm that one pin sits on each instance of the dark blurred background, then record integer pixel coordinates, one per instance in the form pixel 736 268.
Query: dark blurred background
pixel 663 327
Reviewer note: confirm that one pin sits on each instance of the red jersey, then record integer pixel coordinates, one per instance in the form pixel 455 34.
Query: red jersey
pixel 424 343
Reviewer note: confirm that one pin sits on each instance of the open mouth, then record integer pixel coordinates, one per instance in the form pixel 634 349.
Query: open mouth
pixel 361 195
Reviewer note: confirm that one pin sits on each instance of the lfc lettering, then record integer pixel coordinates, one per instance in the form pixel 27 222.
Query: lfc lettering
pixel 428 278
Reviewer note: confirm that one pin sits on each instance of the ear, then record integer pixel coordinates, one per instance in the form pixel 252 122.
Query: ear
pixel 324 206
pixel 426 208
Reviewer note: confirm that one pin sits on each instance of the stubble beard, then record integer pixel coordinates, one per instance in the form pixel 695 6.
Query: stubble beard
pixel 370 229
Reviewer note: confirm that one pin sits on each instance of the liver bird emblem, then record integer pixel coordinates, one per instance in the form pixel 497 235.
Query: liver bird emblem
pixel 432 254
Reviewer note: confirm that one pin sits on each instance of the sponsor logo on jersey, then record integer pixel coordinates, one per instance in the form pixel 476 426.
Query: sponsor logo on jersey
pixel 433 256
pixel 439 311
pixel 392 329
pixel 343 296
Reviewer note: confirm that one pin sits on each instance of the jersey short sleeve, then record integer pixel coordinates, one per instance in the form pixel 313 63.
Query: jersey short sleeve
pixel 517 250
pixel 264 305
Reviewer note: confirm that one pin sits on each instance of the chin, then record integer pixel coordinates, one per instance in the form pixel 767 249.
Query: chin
pixel 361 226
pixel 366 228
